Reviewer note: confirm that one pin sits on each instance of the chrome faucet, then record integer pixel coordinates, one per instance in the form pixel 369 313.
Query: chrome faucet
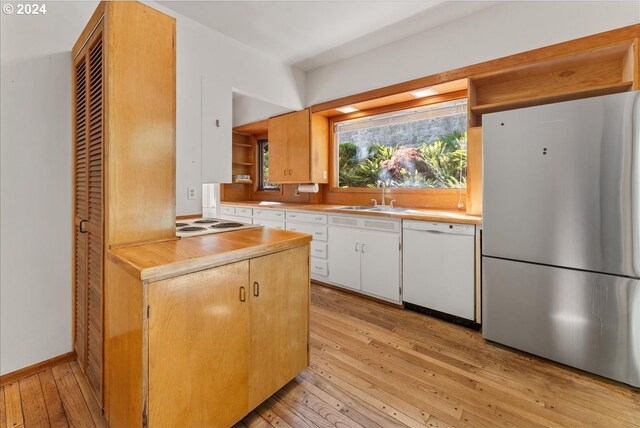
pixel 383 185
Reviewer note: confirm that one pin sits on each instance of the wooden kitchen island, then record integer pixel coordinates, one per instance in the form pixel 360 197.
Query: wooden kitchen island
pixel 199 331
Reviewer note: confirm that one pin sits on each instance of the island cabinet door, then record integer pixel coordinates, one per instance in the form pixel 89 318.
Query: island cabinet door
pixel 279 321
pixel 199 348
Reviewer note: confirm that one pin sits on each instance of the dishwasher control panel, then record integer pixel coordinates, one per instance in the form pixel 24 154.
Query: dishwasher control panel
pixel 438 227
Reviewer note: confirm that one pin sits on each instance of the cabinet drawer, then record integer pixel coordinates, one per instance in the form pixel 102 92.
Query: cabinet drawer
pixel 319 267
pixel 236 218
pixel 244 212
pixel 275 215
pixel 225 209
pixel 370 223
pixel 319 249
pixel 269 223
pixel 307 217
pixel 319 232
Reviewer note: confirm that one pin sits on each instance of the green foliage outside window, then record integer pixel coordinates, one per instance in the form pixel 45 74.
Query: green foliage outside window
pixel 439 164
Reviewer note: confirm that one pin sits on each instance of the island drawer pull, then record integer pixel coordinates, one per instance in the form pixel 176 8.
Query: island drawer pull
pixel 256 289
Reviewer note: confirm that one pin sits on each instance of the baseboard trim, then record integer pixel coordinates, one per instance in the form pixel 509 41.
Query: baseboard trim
pixel 36 368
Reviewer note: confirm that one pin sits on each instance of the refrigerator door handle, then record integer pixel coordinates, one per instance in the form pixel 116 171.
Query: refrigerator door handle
pixel 635 183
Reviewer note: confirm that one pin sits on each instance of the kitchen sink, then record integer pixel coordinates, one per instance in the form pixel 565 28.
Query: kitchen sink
pixel 369 208
pixel 356 208
pixel 388 209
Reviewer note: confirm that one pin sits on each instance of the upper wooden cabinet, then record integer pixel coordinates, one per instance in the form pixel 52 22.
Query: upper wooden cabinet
pixel 299 148
pixel 124 101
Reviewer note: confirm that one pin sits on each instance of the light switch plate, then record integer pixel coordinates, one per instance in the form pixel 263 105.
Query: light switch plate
pixel 191 192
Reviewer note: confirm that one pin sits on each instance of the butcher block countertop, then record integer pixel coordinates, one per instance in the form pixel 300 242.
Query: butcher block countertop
pixel 161 260
pixel 448 216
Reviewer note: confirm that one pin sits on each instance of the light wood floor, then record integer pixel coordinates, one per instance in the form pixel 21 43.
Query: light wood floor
pixel 373 365
pixel 57 397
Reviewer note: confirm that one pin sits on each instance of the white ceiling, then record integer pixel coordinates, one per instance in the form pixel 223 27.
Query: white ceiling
pixel 310 34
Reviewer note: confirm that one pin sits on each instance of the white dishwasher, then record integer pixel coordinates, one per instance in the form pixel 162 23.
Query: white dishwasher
pixel 438 261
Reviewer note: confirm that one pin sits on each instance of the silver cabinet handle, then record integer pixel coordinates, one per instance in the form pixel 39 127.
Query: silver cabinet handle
pixel 293 215
pixel 357 243
pixel 278 214
pixel 317 251
pixel 318 218
pixel 363 245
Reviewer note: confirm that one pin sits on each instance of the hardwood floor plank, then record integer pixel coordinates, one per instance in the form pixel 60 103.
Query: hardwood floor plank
pixel 387 379
pixel 265 412
pixel 313 408
pixel 289 415
pixel 253 420
pixel 13 405
pixel 94 408
pixel 3 413
pixel 34 408
pixel 394 406
pixel 358 409
pixel 57 418
pixel 75 407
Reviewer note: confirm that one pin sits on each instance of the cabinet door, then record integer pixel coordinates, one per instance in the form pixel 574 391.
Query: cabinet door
pixel 344 257
pixel 380 264
pixel 216 136
pixel 279 321
pixel 80 208
pixel 199 348
pixel 88 209
pixel 278 161
pixel 298 147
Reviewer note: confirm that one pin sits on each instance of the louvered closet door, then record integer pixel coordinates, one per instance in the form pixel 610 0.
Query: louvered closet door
pixel 88 192
pixel 81 202
pixel 95 212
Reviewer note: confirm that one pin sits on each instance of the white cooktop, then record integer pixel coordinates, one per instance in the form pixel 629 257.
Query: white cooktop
pixel 205 226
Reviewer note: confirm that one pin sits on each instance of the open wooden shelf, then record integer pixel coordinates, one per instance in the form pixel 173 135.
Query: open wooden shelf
pixel 602 70
pixel 552 98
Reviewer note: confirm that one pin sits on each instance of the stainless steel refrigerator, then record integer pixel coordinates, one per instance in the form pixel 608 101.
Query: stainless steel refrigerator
pixel 561 233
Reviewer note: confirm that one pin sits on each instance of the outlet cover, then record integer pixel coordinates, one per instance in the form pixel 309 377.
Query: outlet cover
pixel 191 192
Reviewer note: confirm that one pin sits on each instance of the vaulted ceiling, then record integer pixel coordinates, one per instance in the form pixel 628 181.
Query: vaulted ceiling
pixel 310 34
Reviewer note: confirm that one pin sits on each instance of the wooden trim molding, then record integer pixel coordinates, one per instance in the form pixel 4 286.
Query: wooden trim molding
pixel 588 42
pixel 36 368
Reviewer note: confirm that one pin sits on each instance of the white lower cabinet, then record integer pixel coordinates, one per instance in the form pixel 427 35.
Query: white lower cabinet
pixel 363 259
pixel 315 224
pixel 236 218
pixel 344 257
pixel 380 264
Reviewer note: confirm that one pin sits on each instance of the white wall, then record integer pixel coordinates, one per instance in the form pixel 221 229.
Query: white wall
pixel 205 53
pixel 35 213
pixel 502 30
pixel 248 110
